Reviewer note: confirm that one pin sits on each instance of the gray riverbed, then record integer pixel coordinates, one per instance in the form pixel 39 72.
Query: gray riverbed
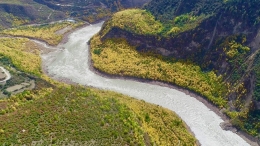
pixel 72 63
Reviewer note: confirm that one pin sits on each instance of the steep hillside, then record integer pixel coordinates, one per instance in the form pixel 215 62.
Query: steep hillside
pixel 54 113
pixel 168 10
pixel 91 10
pixel 218 39
pixel 113 4
pixel 19 12
pixel 51 34
pixel 84 116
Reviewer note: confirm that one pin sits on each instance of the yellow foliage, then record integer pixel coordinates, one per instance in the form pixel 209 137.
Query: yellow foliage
pixel 134 20
pixel 233 49
pixel 46 33
pixel 174 30
pixel 119 58
pixel 18 51
pixel 157 122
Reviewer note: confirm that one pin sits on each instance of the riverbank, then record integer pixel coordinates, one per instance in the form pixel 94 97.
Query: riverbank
pixel 69 81
pixel 226 125
pixel 64 67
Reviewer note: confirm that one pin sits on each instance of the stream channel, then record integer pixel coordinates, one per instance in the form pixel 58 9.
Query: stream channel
pixel 71 61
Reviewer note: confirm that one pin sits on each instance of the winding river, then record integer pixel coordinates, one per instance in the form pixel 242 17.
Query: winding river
pixel 72 63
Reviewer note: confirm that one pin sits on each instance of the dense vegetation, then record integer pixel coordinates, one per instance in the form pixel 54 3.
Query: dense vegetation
pixel 182 15
pixel 22 53
pixel 218 37
pixel 257 75
pixel 166 11
pixel 91 10
pixel 84 116
pixel 116 56
pixel 210 39
pixel 10 20
pixel 143 22
pixel 134 20
pixel 247 11
pixel 15 13
pixel 19 12
pixel 47 33
pixel 59 114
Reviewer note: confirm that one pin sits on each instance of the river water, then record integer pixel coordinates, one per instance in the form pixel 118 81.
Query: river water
pixel 72 63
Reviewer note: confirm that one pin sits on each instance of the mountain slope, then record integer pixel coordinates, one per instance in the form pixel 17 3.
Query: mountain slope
pixel 220 38
pixel 168 10
pixel 91 10
pixel 54 113
pixel 19 12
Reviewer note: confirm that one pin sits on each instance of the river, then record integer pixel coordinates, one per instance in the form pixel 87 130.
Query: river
pixel 72 63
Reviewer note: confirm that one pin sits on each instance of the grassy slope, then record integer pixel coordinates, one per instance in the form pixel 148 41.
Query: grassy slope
pixel 82 115
pixel 45 33
pixel 134 20
pixel 22 53
pixel 93 10
pixel 118 57
pixel 22 12
pixel 11 2
pixel 143 22
pixel 9 20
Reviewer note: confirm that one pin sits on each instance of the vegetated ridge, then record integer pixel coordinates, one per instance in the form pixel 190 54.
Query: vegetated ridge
pixel 20 12
pixel 209 47
pixel 54 113
pixel 51 33
pixel 92 10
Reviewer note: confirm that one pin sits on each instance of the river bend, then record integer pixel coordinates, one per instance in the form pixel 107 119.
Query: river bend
pixel 72 63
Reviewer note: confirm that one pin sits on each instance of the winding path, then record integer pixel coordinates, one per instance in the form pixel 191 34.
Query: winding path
pixel 73 63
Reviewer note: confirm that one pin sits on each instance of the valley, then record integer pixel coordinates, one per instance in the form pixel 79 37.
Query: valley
pixel 196 48
pixel 73 64
pixel 115 118
pixel 189 69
